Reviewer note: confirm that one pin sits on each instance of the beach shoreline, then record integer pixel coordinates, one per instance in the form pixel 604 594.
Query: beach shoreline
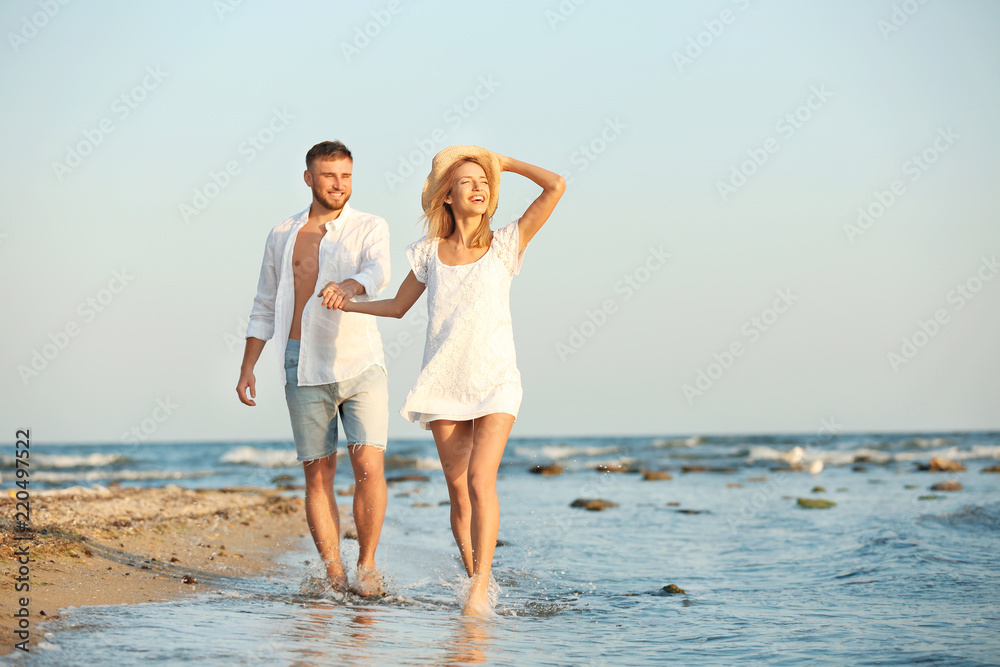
pixel 106 546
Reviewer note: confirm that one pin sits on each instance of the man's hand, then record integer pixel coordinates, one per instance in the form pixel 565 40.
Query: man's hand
pixel 247 382
pixel 335 295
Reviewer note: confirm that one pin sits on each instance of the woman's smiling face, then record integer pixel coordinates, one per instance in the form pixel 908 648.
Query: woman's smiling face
pixel 470 194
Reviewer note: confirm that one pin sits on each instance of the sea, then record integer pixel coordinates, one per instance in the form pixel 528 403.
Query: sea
pixel 720 564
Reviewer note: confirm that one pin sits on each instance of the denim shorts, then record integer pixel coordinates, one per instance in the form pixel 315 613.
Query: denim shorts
pixel 362 401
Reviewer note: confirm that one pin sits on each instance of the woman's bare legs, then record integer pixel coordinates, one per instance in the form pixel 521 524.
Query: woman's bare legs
pixel 454 445
pixel 470 455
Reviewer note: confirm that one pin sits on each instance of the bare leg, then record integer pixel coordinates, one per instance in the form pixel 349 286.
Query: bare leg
pixel 323 516
pixel 369 512
pixel 454 445
pixel 489 441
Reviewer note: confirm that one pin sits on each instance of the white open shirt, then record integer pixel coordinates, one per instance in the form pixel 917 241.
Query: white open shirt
pixel 335 346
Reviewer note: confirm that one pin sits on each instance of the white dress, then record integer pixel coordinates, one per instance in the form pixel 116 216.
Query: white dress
pixel 469 368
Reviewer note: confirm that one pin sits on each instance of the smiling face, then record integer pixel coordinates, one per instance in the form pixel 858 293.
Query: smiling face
pixel 470 192
pixel 330 180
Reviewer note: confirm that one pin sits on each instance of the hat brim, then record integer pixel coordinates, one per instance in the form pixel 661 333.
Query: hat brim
pixel 447 157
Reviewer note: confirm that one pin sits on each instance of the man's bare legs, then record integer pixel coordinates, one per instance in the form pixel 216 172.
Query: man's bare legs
pixel 369 513
pixel 323 516
pixel 470 456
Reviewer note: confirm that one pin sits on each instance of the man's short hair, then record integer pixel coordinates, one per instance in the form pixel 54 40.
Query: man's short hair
pixel 331 150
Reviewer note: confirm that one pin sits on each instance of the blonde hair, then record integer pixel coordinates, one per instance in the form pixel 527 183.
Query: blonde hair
pixel 439 219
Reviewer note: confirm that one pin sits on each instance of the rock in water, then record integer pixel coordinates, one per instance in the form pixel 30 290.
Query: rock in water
pixel 950 485
pixel 815 503
pixel 655 475
pixel 819 489
pixel 671 589
pixel 992 469
pixel 407 478
pixel 593 504
pixel 611 467
pixel 941 464
pixel 553 469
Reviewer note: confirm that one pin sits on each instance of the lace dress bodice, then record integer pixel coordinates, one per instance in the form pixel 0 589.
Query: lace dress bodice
pixel 469 366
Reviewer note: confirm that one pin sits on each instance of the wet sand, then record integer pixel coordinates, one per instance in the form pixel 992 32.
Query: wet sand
pixel 96 546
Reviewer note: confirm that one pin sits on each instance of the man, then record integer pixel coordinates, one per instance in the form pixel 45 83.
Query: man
pixel 333 361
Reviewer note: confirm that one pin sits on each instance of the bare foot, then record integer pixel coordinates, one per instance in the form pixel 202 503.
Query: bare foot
pixel 368 582
pixel 336 576
pixel 479 602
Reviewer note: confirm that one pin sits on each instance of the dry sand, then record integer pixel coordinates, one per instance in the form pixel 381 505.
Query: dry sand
pixel 116 546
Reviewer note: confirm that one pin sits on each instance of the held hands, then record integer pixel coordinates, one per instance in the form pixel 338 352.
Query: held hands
pixel 336 295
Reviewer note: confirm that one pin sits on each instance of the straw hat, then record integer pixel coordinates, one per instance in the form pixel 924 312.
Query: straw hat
pixel 452 154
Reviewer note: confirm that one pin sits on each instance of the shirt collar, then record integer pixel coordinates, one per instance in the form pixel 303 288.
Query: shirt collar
pixel 335 224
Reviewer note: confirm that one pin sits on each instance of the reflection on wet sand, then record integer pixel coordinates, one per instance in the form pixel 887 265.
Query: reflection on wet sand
pixel 470 641
pixel 362 626
pixel 313 629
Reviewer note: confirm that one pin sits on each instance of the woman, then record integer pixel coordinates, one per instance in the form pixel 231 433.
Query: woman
pixel 469 389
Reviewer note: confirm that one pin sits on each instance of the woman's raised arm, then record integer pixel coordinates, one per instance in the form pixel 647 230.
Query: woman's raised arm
pixel 553 185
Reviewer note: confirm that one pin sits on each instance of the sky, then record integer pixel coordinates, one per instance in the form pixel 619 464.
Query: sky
pixel 780 216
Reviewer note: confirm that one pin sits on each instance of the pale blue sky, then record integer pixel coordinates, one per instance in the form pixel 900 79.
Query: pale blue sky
pixel 663 134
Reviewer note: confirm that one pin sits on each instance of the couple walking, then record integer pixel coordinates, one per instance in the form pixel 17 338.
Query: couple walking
pixel 321 273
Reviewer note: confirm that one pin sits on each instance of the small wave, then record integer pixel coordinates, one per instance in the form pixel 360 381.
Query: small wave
pixel 971 517
pixel 58 461
pixel 557 452
pixel 113 475
pixel 953 453
pixel 867 454
pixel 925 443
pixel 693 441
pixel 264 458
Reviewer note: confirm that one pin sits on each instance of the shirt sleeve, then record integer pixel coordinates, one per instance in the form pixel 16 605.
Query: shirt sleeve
pixel 506 241
pixel 375 268
pixel 418 254
pixel 261 323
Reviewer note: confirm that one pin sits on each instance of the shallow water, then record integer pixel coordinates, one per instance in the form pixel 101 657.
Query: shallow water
pixel 883 577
